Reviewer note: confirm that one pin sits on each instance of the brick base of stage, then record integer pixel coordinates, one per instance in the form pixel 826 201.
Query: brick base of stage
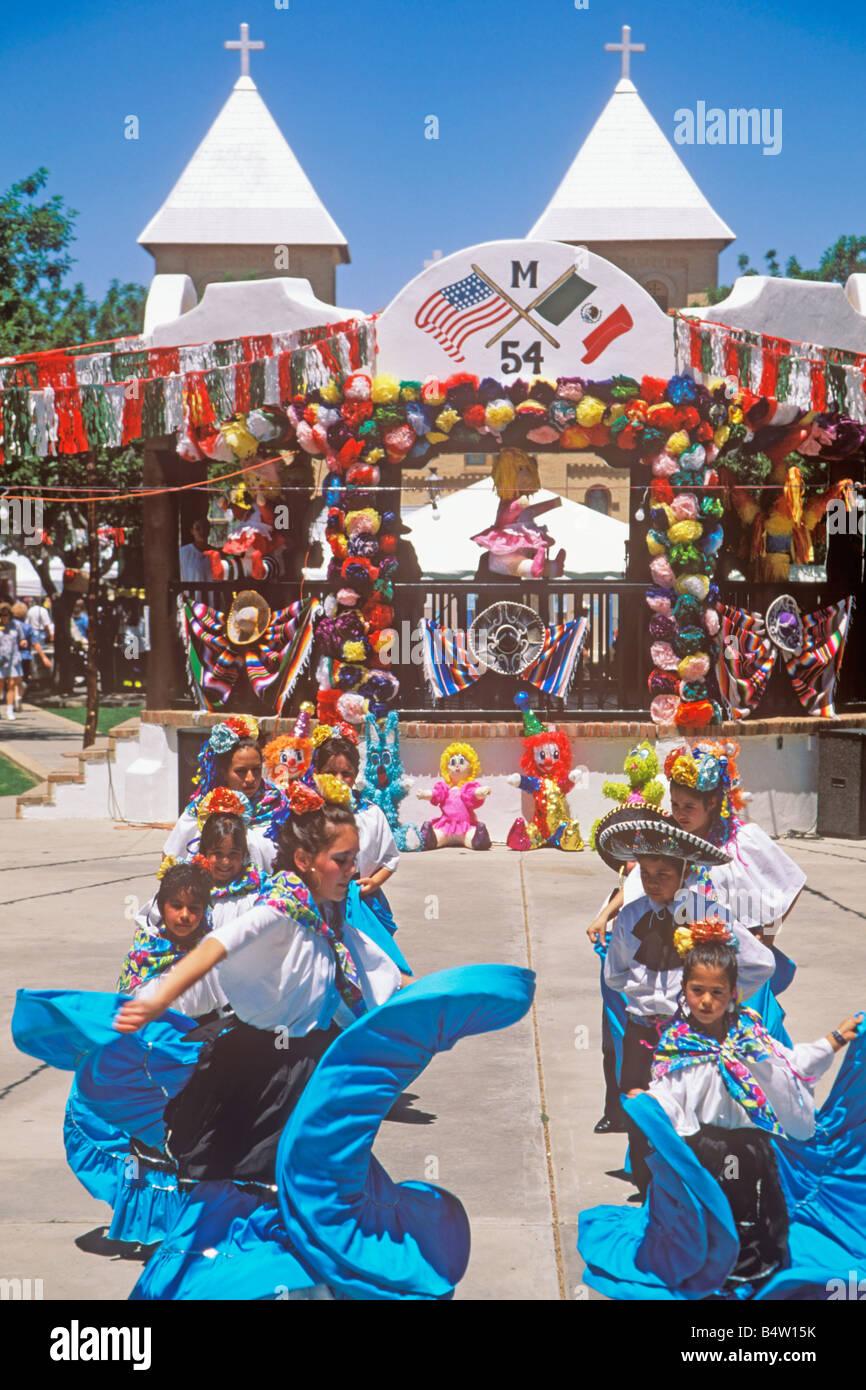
pixel 778 762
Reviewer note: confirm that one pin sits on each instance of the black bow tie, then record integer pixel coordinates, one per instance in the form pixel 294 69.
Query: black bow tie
pixel 655 932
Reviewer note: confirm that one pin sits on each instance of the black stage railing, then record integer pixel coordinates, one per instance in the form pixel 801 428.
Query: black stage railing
pixel 611 678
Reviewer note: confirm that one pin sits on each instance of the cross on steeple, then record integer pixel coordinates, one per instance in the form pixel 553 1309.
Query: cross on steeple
pixel 626 48
pixel 245 44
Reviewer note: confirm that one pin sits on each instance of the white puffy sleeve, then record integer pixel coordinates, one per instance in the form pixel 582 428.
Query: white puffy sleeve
pixel 755 962
pixel 377 848
pixel 619 962
pixel 185 832
pixel 678 1095
pixel 632 888
pixel 761 882
pixel 786 1081
pixel 277 973
pixel 201 998
pixel 263 851
pixel 812 1059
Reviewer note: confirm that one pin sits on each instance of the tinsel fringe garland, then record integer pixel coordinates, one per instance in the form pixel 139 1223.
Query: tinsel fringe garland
pixel 804 375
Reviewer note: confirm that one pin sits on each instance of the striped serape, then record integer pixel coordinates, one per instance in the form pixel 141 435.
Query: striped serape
pixel 553 671
pixel 272 664
pixel 815 672
pixel 449 665
pixel 748 655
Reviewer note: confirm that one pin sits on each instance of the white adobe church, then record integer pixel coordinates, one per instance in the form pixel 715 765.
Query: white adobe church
pixel 243 206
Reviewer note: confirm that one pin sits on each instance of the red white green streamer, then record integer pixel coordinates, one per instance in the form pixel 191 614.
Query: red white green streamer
pixel 796 374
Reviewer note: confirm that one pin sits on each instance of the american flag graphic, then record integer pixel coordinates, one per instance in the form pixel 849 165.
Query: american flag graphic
pixel 457 311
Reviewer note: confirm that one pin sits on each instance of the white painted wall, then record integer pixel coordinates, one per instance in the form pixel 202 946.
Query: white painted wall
pixel 150 783
pixel 783 781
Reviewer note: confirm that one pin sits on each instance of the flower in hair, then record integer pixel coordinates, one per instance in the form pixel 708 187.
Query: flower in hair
pixel 223 801
pixel 333 789
pixel 168 862
pixel 705 929
pixel 224 736
pixel 302 798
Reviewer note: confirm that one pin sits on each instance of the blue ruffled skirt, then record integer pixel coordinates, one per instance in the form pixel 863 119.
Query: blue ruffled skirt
pixel 339 1226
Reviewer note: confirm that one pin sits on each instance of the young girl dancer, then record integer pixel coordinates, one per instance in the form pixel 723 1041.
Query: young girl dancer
pixel 236 884
pixel 174 922
pixel 378 858
pixel 295 972
pixel 231 758
pixel 727 1086
pixel 137 1179
pixel 642 962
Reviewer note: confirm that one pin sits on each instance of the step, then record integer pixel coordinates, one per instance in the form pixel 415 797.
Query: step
pixel 40 795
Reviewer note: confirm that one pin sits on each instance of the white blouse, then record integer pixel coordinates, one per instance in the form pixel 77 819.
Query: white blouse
pixel 377 848
pixel 760 883
pixel 656 992
pixel 758 886
pixel 278 974
pixel 698 1096
pixel 183 841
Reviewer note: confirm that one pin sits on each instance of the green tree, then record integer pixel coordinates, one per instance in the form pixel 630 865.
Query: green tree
pixel 34 237
pixel 38 308
pixel 66 524
pixel 847 256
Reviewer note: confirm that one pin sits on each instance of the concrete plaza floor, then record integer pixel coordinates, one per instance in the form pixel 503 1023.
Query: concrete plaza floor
pixel 505 1120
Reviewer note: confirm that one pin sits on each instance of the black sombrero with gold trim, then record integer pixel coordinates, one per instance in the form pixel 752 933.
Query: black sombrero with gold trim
pixel 630 831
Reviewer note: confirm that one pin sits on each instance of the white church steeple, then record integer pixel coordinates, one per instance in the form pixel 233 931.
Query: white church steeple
pixel 241 198
pixel 628 196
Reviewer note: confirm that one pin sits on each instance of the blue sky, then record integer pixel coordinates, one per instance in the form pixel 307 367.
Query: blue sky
pixel 516 86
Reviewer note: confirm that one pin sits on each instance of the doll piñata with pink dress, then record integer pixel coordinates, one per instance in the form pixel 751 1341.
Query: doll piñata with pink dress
pixel 457 796
pixel 516 543
pixel 548 774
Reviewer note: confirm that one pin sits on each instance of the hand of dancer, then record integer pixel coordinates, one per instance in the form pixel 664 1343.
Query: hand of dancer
pixel 597 928
pixel 135 1013
pixel 848 1028
pixel 599 925
pixel 187 972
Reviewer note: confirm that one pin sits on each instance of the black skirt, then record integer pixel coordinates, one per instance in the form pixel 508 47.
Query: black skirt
pixel 744 1165
pixel 226 1123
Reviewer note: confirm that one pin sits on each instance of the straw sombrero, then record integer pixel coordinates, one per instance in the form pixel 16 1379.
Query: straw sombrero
pixel 630 831
pixel 248 618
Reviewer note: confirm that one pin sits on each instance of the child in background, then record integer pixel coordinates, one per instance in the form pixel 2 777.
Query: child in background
pixel 237 882
pixel 224 855
pixel 230 761
pixel 170 926
pixel 378 858
pixel 758 882
pixel 726 1086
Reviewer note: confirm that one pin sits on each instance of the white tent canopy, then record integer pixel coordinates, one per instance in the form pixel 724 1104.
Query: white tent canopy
pixel 27 581
pixel 594 544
